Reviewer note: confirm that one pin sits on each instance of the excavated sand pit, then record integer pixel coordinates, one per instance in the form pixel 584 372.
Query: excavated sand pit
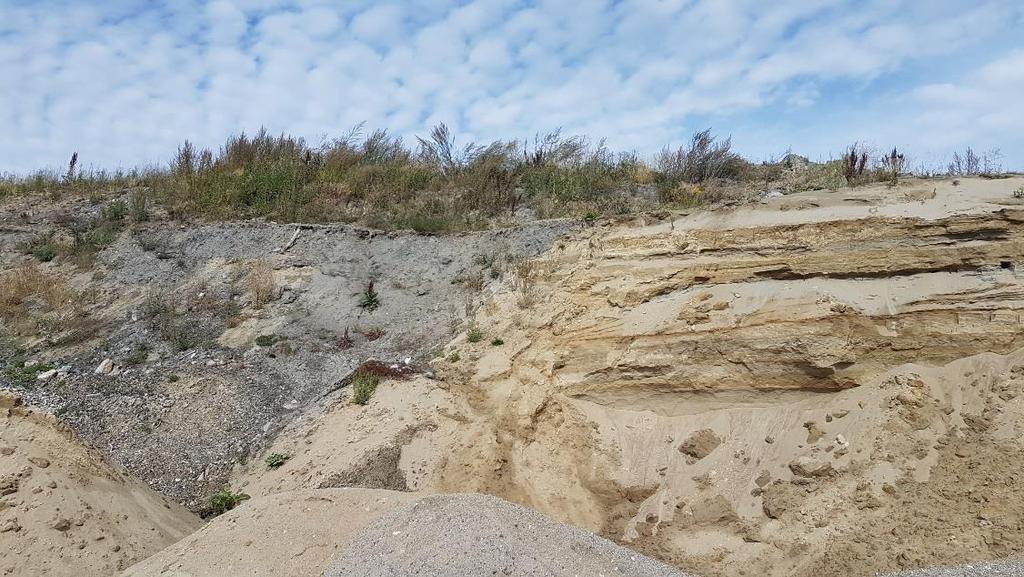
pixel 810 386
pixel 824 384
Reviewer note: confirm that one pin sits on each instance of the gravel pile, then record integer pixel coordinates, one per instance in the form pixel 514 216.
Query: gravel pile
pixel 474 535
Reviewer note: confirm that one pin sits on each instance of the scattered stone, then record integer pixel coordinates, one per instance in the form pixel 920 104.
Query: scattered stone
pixel 814 432
pixel 6 451
pixel 105 368
pixel 46 375
pixel 839 414
pixel 10 525
pixel 61 524
pixel 31 363
pixel 810 467
pixel 700 444
pixel 40 462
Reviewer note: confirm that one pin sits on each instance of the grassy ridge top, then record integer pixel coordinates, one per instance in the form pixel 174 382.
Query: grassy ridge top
pixel 377 180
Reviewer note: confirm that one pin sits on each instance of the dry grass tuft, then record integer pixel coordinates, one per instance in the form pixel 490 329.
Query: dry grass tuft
pixel 32 301
pixel 260 283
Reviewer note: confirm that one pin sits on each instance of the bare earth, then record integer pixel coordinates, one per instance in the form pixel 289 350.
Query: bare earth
pixel 65 511
pixel 822 384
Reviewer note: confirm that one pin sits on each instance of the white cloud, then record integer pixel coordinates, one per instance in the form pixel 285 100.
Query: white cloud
pixel 125 82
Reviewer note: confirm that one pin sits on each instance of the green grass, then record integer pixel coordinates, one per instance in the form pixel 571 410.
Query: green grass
pixel 474 335
pixel 275 460
pixel 363 387
pixel 497 342
pixel 369 300
pixel 19 373
pixel 223 501
pixel 266 340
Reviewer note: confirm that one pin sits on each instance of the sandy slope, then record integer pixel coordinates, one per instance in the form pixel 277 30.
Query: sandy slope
pixel 294 533
pixel 822 384
pixel 65 511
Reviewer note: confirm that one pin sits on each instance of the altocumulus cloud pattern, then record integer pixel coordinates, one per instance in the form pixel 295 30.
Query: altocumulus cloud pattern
pixel 124 82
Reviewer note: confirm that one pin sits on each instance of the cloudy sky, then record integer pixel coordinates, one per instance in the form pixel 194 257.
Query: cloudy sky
pixel 123 82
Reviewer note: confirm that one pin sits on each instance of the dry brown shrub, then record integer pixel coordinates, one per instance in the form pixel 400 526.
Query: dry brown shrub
pixel 31 299
pixel 260 283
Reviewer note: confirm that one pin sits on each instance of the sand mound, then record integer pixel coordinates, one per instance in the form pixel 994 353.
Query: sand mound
pixel 294 533
pixel 65 511
pixel 470 535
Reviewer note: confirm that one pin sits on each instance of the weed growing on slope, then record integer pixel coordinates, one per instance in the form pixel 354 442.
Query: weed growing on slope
pixel 364 384
pixel 275 460
pixel 223 501
pixel 369 300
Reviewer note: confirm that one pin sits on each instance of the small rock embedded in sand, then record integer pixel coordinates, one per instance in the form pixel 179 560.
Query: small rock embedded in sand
pixel 840 413
pixel 814 432
pixel 700 444
pixel 10 525
pixel 810 467
pixel 6 451
pixel 105 367
pixel 40 462
pixel 61 524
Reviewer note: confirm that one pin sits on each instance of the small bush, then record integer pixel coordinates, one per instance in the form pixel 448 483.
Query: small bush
pixel 266 340
pixel 474 335
pixel 363 385
pixel 369 300
pixel 275 460
pixel 138 355
pixel 1019 192
pixel 172 378
pixel 260 283
pixel 454 357
pixel 19 373
pixel 497 342
pixel 223 501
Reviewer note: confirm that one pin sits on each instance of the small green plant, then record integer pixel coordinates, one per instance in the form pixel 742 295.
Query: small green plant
pixel 138 354
pixel 223 501
pixel 21 374
pixel 266 340
pixel 369 300
pixel 454 357
pixel 363 386
pixel 138 206
pixel 275 460
pixel 474 335
pixel 172 378
pixel 497 342
pixel 44 252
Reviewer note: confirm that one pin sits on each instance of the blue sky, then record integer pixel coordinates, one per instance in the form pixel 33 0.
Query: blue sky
pixel 124 82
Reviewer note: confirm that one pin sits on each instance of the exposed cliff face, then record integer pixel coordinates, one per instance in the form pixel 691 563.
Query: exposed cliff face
pixel 754 388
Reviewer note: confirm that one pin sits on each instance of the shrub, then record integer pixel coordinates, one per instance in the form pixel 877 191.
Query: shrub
pixel 474 335
pixel 364 384
pixel 260 283
pixel 223 501
pixel 266 340
pixel 1019 192
pixel 42 247
pixel 25 375
pixel 369 300
pixel 497 342
pixel 704 158
pixel 275 460
pixel 855 162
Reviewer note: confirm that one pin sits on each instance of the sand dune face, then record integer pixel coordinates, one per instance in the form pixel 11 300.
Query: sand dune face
pixel 770 389
pixel 65 511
